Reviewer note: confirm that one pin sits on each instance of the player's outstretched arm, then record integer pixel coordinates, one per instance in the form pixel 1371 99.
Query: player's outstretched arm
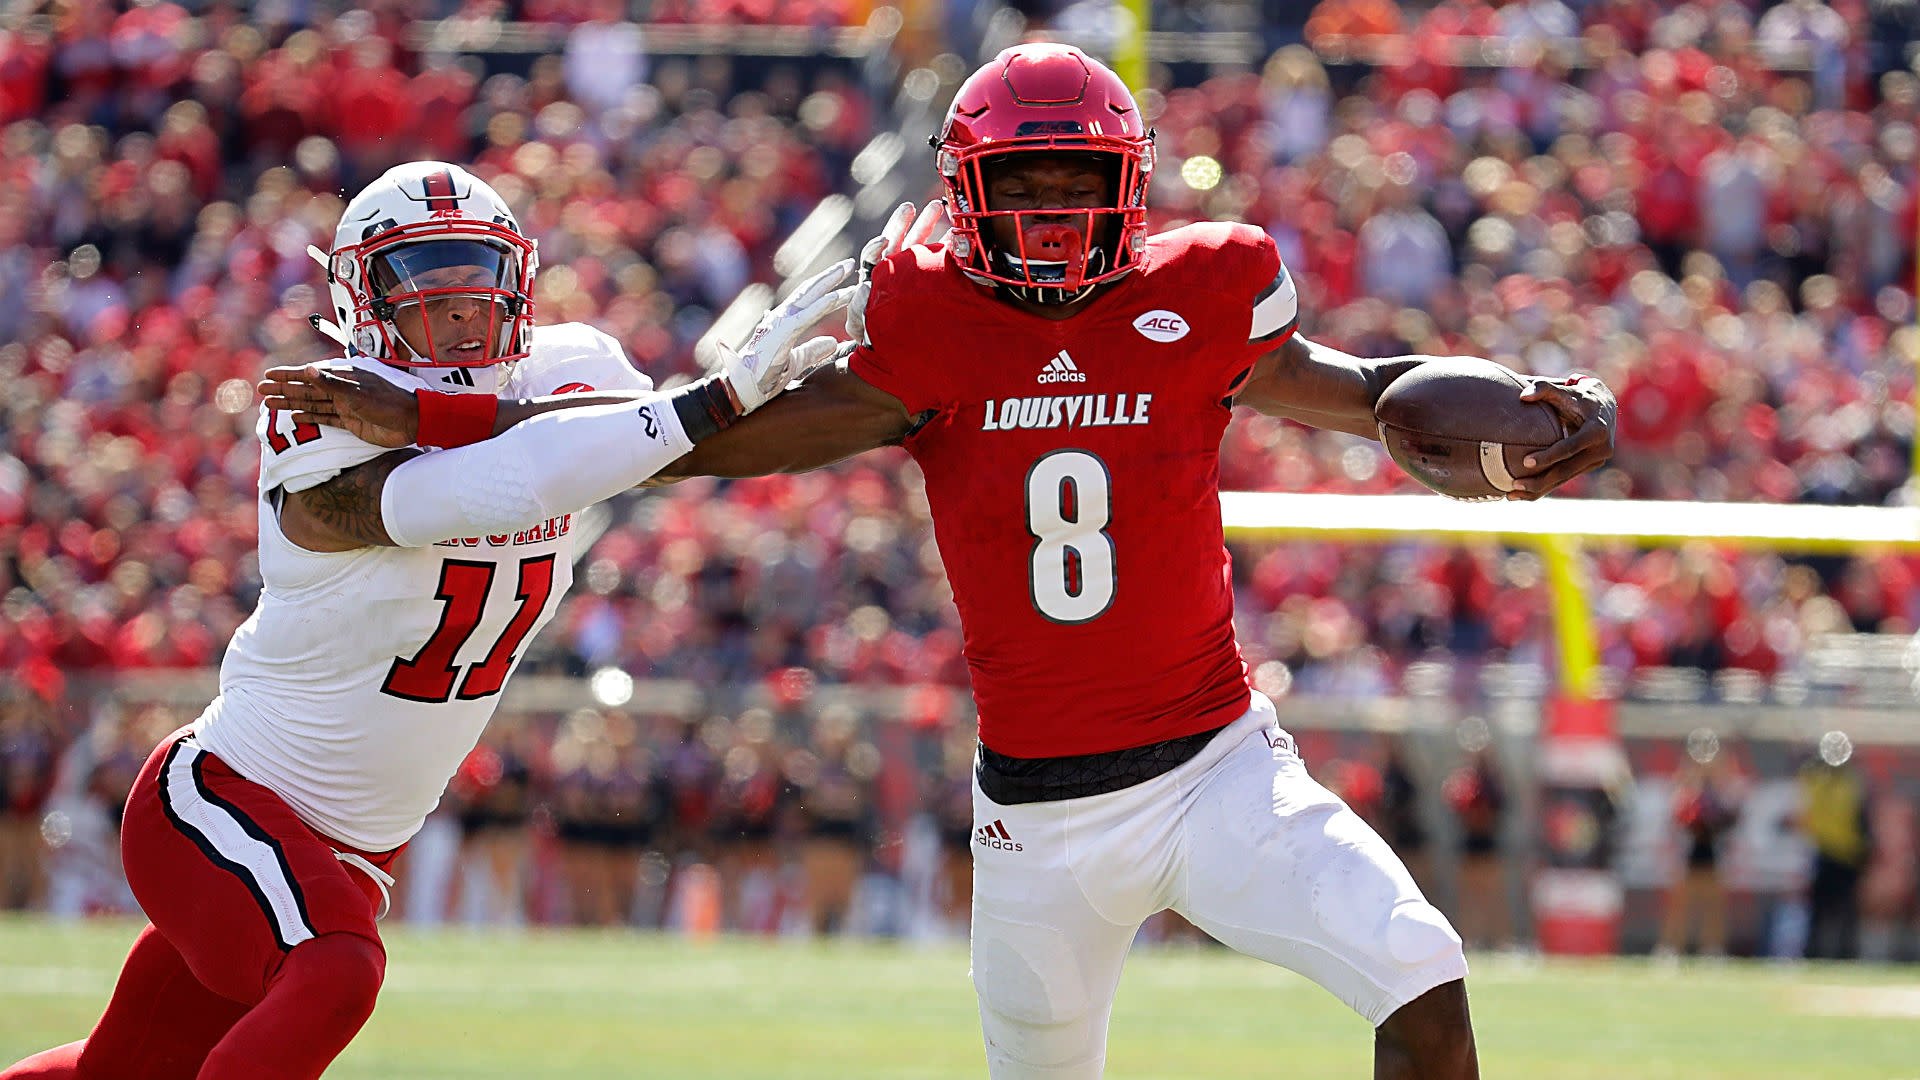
pixel 377 411
pixel 343 513
pixel 1324 387
pixel 556 463
pixel 383 414
pixel 831 415
pixel 568 452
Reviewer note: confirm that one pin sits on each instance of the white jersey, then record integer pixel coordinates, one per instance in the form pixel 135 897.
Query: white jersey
pixel 364 677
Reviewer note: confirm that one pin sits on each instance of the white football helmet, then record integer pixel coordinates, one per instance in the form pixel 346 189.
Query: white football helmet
pixel 421 217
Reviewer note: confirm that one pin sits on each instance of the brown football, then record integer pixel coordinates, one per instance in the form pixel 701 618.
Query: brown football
pixel 1457 425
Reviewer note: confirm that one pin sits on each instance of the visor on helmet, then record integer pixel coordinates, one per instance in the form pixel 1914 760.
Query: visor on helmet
pixel 430 272
pixel 433 268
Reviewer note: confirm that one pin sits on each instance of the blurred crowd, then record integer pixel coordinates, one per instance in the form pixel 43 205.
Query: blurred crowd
pixel 792 819
pixel 808 817
pixel 1711 205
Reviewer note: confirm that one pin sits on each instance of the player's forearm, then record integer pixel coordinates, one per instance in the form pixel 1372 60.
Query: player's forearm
pixel 1323 387
pixel 793 433
pixel 515 412
pixel 828 418
pixel 556 462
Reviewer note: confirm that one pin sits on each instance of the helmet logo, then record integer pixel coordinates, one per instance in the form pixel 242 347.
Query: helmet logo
pixel 439 191
pixel 1049 127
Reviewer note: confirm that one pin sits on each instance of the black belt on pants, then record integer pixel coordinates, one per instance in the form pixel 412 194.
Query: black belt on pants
pixel 1010 781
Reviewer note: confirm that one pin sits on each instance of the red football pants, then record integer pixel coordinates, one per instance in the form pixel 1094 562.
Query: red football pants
pixel 262 960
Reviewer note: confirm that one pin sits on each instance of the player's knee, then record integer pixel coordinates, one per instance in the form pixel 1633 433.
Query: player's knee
pixel 338 976
pixel 1023 1050
pixel 1418 935
pixel 1036 1015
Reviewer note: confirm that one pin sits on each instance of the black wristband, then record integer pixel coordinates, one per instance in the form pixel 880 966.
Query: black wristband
pixel 704 408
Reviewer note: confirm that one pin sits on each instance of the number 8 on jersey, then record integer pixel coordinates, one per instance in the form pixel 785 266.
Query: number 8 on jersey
pixel 1073 576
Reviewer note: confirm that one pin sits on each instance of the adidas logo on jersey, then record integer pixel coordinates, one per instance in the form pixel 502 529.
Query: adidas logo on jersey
pixel 996 836
pixel 1061 369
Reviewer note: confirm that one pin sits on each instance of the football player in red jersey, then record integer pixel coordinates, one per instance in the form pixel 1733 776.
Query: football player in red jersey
pixel 1063 381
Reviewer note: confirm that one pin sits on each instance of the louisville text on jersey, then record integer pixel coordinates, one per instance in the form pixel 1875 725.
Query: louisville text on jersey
pixel 553 529
pixel 1072 410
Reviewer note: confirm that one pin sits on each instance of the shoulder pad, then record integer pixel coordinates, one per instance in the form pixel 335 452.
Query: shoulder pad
pixel 1239 260
pixel 299 456
pixel 573 357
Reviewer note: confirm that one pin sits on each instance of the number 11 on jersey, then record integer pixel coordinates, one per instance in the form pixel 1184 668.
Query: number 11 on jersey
pixel 1071 575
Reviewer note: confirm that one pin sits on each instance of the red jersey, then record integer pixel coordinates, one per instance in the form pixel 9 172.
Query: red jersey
pixel 1073 471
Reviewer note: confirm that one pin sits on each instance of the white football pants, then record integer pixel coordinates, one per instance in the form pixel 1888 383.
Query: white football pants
pixel 1240 841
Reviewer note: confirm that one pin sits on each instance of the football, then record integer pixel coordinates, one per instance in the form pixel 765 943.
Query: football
pixel 1457 425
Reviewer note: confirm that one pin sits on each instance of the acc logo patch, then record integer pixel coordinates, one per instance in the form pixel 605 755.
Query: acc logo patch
pixel 1161 325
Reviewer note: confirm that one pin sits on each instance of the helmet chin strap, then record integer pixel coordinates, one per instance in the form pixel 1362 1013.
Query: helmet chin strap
pixel 454 380
pixel 463 380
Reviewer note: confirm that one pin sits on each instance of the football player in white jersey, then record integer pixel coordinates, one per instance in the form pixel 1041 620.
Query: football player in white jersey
pixel 400 589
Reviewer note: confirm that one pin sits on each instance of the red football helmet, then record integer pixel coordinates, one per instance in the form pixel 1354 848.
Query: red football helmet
pixel 1046 97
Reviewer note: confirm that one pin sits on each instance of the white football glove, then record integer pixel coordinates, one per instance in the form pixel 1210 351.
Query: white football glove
pixel 903 230
pixel 769 360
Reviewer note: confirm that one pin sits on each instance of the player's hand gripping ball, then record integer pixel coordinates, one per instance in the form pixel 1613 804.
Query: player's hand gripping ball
pixel 1473 429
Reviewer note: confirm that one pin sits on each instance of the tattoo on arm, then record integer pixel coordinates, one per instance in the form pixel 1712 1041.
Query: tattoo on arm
pixel 346 509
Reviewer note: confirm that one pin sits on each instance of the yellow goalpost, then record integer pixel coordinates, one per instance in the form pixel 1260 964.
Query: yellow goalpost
pixel 1557 528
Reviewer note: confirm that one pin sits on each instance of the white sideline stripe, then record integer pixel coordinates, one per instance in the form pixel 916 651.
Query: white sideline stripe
pixel 1493 465
pixel 1889 1002
pixel 227 836
pixel 1790 526
pixel 1279 308
pixel 64 981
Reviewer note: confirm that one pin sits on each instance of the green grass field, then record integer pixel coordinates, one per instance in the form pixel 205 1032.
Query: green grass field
pixel 461 1006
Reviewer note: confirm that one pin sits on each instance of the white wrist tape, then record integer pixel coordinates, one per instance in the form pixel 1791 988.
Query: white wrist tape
pixel 555 463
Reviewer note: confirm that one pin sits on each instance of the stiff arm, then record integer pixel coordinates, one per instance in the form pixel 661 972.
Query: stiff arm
pixel 555 463
pixel 829 416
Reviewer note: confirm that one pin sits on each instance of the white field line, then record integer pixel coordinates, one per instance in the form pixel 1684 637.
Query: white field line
pixel 1888 1002
pixel 51 981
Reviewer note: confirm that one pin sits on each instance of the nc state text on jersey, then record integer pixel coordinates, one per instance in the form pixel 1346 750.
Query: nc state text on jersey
pixel 553 529
pixel 1072 410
